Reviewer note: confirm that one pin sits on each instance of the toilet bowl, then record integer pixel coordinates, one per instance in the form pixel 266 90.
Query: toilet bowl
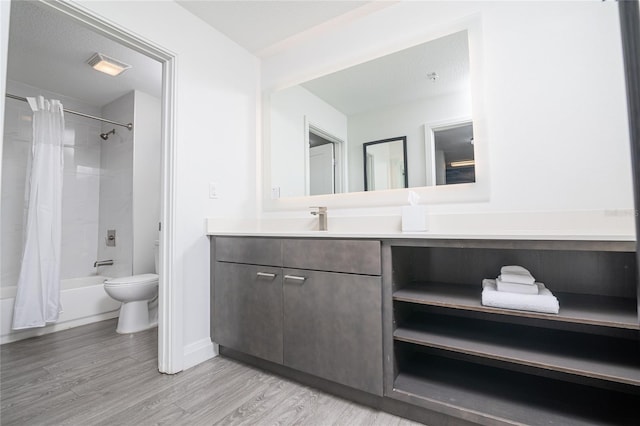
pixel 139 295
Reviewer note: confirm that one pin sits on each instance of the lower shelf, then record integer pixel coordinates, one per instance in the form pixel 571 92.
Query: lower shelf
pixel 490 395
pixel 593 356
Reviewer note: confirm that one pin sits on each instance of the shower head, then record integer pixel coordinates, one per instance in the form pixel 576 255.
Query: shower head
pixel 105 136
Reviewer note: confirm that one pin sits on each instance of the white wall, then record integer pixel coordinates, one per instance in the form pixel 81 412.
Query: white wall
pixel 147 147
pixel 553 115
pixel 216 103
pixel 288 109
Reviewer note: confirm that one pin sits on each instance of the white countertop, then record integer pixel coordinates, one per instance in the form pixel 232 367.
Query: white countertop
pixel 479 227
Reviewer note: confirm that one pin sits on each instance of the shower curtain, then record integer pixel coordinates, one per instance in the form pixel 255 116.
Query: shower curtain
pixel 38 294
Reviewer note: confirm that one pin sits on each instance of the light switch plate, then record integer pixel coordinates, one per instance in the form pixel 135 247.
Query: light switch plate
pixel 213 190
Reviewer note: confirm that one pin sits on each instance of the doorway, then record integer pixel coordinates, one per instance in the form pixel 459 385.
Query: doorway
pixel 450 152
pixel 170 346
pixel 325 162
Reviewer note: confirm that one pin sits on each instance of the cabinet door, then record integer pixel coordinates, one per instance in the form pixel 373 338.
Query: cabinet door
pixel 333 327
pixel 247 309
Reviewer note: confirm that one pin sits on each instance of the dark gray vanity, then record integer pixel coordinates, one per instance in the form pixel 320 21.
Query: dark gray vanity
pixel 312 305
pixel 398 324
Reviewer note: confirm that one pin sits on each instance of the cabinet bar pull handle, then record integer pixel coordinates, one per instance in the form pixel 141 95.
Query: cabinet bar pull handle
pixel 266 275
pixel 294 278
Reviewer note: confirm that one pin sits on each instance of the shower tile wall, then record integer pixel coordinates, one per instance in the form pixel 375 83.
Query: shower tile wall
pixel 116 188
pixel 80 191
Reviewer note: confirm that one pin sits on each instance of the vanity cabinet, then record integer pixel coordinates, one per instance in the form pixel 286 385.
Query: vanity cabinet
pixel 403 321
pixel 311 305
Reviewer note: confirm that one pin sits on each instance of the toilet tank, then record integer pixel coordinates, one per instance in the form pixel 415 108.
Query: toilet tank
pixel 156 253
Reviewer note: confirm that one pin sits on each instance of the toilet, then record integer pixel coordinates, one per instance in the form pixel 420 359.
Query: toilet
pixel 139 297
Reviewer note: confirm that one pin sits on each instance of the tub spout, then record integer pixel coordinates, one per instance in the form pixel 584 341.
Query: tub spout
pixel 102 263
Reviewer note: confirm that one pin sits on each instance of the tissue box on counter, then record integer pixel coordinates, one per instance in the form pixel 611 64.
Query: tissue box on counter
pixel 414 218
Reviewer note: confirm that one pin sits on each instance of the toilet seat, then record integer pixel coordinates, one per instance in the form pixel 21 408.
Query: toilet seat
pixel 132 280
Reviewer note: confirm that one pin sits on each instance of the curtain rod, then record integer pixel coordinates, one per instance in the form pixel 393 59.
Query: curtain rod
pixel 128 126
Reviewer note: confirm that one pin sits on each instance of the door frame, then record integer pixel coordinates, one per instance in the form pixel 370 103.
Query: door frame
pixel 340 155
pixel 170 309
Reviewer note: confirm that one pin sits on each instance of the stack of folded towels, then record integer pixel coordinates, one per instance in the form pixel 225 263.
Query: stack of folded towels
pixel 516 288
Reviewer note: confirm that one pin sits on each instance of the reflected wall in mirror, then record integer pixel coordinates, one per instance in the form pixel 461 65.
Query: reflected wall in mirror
pixel 376 100
pixel 385 164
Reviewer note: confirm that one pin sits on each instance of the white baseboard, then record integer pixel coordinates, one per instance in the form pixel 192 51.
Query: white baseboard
pixel 198 352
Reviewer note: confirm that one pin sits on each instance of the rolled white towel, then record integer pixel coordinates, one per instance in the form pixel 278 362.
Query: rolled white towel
pixel 516 274
pixel 544 301
pixel 516 269
pixel 516 287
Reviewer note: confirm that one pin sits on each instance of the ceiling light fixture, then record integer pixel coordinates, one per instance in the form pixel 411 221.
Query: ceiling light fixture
pixel 107 65
pixel 463 163
pixel 433 76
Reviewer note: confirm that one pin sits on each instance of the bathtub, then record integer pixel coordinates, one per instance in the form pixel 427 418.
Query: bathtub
pixel 83 301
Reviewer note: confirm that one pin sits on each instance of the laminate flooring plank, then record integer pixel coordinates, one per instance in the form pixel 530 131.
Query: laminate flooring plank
pixel 223 397
pixel 153 415
pixel 38 411
pixel 22 394
pixel 91 375
pixel 291 408
pixel 255 408
pixel 15 364
pixel 132 393
pixel 196 381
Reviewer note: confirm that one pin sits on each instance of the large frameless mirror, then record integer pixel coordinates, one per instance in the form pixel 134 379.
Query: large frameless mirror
pixel 319 129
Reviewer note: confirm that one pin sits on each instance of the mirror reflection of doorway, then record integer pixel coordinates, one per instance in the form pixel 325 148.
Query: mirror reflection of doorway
pixel 453 154
pixel 325 159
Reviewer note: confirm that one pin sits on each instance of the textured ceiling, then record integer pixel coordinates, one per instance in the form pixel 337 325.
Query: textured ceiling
pixel 398 78
pixel 49 50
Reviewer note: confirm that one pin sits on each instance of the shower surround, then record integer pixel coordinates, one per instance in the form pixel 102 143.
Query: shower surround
pixel 97 195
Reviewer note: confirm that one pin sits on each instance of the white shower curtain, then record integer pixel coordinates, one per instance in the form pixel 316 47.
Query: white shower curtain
pixel 38 294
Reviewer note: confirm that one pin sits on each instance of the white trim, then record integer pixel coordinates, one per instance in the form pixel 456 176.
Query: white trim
pixel 307 153
pixel 198 352
pixel 340 156
pixel 170 309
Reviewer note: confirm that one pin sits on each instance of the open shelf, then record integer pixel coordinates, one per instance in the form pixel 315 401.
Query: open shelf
pixel 605 311
pixel 597 357
pixel 494 366
pixel 488 395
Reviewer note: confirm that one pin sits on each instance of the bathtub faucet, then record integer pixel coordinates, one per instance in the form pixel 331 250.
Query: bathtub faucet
pixel 102 263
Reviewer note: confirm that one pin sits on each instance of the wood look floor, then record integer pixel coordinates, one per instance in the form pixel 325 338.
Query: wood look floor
pixel 91 375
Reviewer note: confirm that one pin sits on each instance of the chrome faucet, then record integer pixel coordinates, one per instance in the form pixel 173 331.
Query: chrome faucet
pixel 102 263
pixel 322 217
